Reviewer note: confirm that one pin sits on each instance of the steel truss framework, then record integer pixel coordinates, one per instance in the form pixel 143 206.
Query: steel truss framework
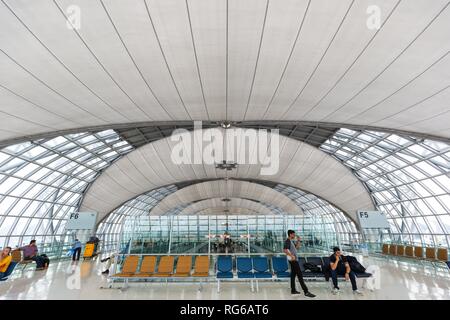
pixel 408 178
pixel 42 180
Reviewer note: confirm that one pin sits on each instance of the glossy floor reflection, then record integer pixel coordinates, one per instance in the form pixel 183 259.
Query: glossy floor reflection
pixel 83 280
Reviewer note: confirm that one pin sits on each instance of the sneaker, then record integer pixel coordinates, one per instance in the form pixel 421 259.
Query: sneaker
pixel 309 295
pixel 335 291
pixel 105 272
pixel 295 292
pixel 358 292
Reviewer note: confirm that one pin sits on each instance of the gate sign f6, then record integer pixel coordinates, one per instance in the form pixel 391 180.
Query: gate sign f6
pixel 372 219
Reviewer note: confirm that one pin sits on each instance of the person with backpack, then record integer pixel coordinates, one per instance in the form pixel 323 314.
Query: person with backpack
pixel 340 266
pixel 291 245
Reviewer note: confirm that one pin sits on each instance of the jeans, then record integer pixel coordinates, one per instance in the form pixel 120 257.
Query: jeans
pixel 76 254
pixel 296 271
pixel 2 274
pixel 334 276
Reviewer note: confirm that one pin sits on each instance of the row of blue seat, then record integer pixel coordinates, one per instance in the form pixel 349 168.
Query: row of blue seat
pixel 258 267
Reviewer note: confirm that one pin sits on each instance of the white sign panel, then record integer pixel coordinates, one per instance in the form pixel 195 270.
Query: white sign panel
pixel 372 220
pixel 81 221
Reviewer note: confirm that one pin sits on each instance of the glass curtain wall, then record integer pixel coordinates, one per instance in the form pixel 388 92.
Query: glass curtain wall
pixel 408 178
pixel 225 234
pixel 43 181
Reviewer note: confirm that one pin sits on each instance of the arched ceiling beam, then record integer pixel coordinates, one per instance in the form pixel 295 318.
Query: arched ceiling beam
pixel 300 165
pixel 226 189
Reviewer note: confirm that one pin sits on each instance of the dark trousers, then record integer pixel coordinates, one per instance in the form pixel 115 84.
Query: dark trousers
pixel 76 254
pixel 334 276
pixel 295 271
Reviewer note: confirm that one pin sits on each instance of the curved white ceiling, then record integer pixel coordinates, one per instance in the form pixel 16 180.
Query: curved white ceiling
pixel 235 206
pixel 300 165
pixel 165 60
pixel 226 189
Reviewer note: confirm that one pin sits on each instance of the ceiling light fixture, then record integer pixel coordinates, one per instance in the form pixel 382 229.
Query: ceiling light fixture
pixel 225 124
pixel 224 165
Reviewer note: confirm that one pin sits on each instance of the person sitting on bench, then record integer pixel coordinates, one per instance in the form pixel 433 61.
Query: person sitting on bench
pixel 30 253
pixel 5 260
pixel 340 266
pixel 111 258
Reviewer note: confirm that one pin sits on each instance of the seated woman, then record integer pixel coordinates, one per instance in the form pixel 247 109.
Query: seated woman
pixel 30 252
pixel 5 260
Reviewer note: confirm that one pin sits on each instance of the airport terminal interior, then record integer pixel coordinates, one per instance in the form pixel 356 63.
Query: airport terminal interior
pixel 162 149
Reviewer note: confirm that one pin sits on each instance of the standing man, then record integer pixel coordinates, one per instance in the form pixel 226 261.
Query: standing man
pixel 291 245
pixel 340 266
pixel 76 247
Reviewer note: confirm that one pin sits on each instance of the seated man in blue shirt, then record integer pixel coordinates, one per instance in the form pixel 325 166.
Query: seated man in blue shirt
pixel 340 266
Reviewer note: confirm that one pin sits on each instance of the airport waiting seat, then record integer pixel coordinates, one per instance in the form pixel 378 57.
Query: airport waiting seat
pixel 165 267
pixel 224 267
pixel 184 266
pixel 393 249
pixel 147 267
pixel 280 267
pixel 129 267
pixel 17 256
pixel 400 250
pixel 317 261
pixel 418 252
pixel 9 270
pixel 442 254
pixel 326 262
pixel 430 253
pixel 385 248
pixel 301 263
pixel 244 267
pixel 201 268
pixel 261 268
pixel 409 251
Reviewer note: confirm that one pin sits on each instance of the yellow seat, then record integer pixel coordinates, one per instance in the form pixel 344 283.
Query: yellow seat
pixel 409 251
pixel 442 254
pixel 16 256
pixel 418 252
pixel 130 266
pixel 147 267
pixel 385 248
pixel 184 266
pixel 88 250
pixel 201 268
pixel 165 267
pixel 393 249
pixel 400 250
pixel 430 253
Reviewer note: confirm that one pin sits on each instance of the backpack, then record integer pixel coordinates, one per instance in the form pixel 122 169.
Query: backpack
pixel 312 267
pixel 355 265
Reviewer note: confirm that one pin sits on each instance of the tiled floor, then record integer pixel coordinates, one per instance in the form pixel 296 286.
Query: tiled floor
pixel 83 280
